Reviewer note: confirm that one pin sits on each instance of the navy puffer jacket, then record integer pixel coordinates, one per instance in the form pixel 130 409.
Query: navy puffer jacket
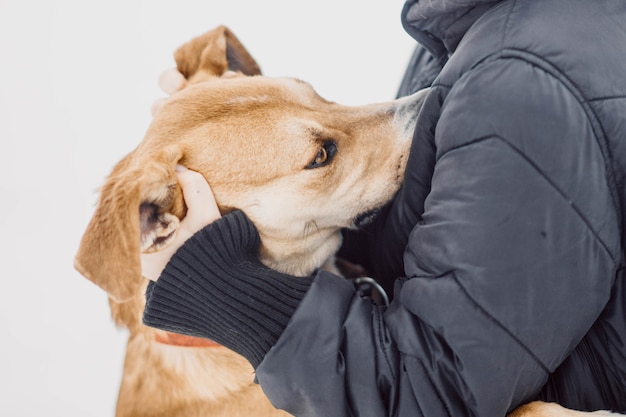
pixel 506 239
pixel 511 216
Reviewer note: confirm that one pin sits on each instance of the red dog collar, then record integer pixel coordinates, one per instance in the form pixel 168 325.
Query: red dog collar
pixel 175 339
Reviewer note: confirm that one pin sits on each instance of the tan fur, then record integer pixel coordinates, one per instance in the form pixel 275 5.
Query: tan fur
pixel 543 409
pixel 252 137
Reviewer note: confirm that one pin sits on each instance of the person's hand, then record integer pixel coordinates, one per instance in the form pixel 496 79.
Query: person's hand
pixel 201 210
pixel 170 82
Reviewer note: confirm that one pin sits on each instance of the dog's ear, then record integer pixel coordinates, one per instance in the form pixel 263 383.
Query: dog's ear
pixel 213 54
pixel 138 211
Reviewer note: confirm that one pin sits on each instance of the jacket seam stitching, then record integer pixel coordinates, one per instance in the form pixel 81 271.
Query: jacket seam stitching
pixel 506 24
pixel 439 396
pixel 607 98
pixel 440 85
pixel 553 185
pixel 598 131
pixel 381 339
pixel 500 324
pixel 451 34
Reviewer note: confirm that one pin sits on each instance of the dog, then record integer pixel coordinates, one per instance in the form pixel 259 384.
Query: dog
pixel 301 167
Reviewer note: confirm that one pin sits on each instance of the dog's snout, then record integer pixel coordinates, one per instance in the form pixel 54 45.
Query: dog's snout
pixel 409 106
pixel 406 110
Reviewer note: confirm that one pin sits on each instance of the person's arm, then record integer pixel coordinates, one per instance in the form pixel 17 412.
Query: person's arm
pixel 215 287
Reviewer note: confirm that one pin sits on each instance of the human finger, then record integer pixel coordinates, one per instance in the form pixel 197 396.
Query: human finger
pixel 201 205
pixel 171 81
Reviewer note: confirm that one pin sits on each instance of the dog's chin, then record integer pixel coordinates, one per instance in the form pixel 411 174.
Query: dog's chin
pixel 365 218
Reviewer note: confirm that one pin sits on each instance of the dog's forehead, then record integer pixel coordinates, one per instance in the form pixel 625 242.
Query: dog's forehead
pixel 242 103
pixel 248 94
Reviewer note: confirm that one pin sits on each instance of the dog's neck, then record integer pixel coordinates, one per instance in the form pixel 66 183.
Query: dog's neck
pixel 300 258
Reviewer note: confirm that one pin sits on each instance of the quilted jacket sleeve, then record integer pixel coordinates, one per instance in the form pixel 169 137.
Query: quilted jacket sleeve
pixel 510 265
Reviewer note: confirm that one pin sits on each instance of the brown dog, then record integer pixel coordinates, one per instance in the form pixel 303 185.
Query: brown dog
pixel 300 167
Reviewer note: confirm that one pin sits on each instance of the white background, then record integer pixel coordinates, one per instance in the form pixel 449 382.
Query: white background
pixel 77 79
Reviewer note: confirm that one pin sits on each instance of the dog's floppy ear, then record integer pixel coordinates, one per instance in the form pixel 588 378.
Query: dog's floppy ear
pixel 213 54
pixel 138 211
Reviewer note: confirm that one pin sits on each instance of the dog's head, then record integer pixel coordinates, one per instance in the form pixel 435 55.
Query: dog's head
pixel 299 166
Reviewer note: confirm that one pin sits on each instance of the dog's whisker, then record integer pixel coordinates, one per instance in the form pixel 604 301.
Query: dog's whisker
pixel 308 227
pixel 247 206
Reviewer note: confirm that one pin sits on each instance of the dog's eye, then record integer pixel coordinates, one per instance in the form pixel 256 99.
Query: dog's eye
pixel 324 155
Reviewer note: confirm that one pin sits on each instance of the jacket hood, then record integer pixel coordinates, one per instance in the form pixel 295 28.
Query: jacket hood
pixel 439 25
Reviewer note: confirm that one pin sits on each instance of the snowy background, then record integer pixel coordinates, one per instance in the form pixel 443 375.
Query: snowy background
pixel 77 79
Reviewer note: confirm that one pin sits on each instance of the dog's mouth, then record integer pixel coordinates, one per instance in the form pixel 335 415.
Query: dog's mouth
pixel 365 218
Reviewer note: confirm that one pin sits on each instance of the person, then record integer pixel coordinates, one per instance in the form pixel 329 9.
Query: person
pixel 505 244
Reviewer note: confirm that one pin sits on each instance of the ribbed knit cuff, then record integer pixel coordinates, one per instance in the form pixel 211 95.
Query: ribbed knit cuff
pixel 215 287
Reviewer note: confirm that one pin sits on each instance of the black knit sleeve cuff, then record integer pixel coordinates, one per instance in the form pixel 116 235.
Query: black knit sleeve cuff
pixel 215 287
